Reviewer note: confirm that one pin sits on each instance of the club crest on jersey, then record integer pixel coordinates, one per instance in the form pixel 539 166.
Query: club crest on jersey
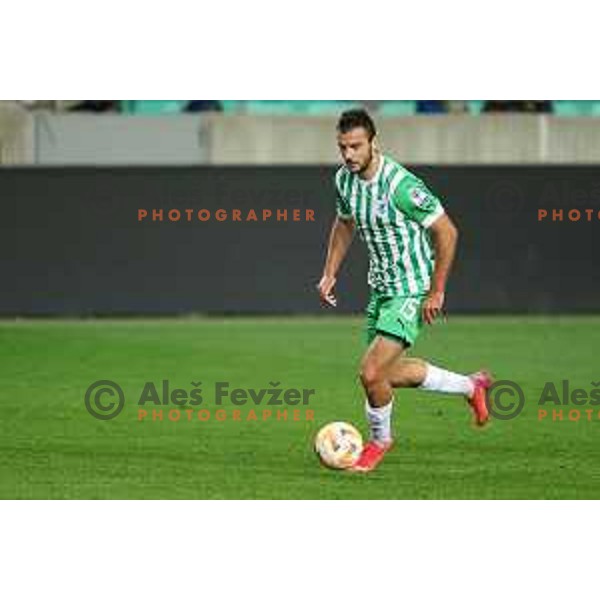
pixel 381 205
pixel 419 197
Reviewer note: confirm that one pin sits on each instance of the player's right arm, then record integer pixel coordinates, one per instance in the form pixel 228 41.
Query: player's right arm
pixel 340 239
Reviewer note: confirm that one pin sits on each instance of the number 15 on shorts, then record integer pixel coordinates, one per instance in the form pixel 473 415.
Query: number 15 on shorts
pixel 410 308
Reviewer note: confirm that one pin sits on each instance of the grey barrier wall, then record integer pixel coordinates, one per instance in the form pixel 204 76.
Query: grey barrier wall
pixel 222 139
pixel 112 139
pixel 72 242
pixel 17 135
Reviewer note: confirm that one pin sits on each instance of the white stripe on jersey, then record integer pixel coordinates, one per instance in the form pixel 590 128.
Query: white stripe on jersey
pixel 420 260
pixel 362 206
pixel 389 233
pixel 398 177
pixel 408 268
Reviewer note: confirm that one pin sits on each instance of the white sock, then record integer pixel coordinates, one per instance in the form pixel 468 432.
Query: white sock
pixel 440 380
pixel 380 422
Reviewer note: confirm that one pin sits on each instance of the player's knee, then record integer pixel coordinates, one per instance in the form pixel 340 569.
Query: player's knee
pixel 371 374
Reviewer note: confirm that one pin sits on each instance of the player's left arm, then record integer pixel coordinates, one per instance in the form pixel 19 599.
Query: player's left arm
pixel 444 236
pixel 419 204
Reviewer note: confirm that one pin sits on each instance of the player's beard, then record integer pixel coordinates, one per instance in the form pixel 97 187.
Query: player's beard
pixel 368 162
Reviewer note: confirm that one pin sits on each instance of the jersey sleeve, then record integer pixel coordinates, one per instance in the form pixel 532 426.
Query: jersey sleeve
pixel 342 207
pixel 417 202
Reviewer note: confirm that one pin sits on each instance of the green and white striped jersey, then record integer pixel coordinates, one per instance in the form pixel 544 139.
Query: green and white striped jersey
pixel 392 212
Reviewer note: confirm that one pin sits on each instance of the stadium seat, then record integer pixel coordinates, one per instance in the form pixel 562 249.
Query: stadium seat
pixel 475 107
pixel 268 107
pixel 232 106
pixel 294 107
pixel 397 108
pixel 566 108
pixel 576 108
pixel 330 107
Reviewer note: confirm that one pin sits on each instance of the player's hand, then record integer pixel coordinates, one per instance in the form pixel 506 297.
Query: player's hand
pixel 433 306
pixel 325 288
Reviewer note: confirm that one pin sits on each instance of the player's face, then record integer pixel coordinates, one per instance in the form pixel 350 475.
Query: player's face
pixel 356 149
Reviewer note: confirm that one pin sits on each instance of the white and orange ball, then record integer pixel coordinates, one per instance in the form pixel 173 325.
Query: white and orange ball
pixel 338 445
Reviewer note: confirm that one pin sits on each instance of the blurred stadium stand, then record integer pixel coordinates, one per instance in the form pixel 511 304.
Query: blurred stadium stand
pixel 570 108
pixel 167 132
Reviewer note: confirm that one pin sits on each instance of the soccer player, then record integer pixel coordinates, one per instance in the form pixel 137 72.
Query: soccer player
pixel 399 220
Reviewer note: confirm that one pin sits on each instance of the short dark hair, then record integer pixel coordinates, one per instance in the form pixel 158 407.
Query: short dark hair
pixel 357 117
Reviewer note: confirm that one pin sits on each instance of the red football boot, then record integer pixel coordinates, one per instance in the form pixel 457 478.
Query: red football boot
pixel 482 380
pixel 371 456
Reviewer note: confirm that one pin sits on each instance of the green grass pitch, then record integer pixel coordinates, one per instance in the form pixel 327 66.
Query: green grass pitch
pixel 52 447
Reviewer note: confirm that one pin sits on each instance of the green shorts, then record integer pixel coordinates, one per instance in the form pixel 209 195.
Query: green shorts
pixel 396 317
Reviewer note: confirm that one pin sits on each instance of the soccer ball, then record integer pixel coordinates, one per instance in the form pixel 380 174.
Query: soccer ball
pixel 338 445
